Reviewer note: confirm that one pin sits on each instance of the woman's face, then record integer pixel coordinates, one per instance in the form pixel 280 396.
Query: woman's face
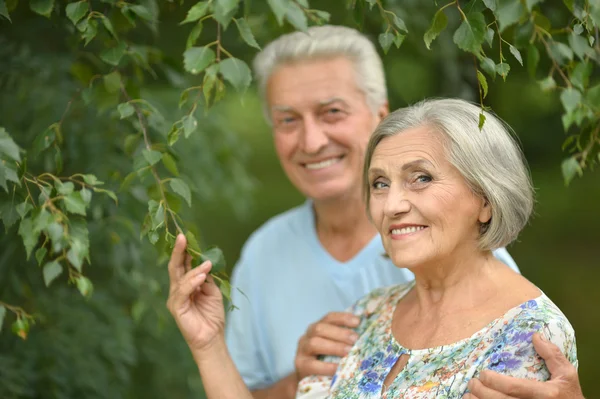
pixel 421 205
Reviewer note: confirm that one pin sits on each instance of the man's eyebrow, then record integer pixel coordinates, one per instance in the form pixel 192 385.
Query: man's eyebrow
pixel 282 108
pixel 333 100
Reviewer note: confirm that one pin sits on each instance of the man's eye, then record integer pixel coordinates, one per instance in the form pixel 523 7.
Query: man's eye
pixel 287 120
pixel 334 110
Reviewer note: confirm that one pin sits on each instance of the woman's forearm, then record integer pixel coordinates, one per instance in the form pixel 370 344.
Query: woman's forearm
pixel 220 377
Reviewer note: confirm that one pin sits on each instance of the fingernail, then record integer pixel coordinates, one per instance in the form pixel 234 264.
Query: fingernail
pixel 348 348
pixel 355 321
pixel 354 337
pixel 543 338
pixel 201 276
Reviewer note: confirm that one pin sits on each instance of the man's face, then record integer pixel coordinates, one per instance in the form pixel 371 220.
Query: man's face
pixel 321 126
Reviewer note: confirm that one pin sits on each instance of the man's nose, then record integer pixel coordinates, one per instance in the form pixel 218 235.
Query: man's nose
pixel 314 138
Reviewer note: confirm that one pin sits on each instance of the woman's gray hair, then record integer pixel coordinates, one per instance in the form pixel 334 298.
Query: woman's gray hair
pixel 326 41
pixel 489 159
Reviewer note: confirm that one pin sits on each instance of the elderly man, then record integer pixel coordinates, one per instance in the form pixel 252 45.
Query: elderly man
pixel 324 93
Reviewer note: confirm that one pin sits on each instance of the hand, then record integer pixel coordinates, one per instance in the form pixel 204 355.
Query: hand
pixel 563 384
pixel 194 299
pixel 330 336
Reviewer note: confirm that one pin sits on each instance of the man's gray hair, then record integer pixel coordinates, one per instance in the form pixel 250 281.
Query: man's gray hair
pixel 326 42
pixel 490 161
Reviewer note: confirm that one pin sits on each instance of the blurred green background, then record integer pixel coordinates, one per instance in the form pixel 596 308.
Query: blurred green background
pixel 122 343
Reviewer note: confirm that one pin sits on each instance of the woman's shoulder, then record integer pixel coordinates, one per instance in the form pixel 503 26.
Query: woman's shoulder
pixel 379 297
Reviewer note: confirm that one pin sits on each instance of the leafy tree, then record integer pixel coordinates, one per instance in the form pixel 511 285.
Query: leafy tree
pixel 101 164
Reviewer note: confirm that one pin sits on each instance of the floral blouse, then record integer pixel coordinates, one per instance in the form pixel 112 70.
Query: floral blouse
pixel 504 345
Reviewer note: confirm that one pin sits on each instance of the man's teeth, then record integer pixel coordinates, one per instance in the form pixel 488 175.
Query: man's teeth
pixel 407 230
pixel 322 164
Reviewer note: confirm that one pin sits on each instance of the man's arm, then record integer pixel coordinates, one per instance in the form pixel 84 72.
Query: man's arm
pixel 563 384
pixel 282 389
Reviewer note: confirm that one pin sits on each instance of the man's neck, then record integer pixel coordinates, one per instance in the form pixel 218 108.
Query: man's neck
pixel 343 227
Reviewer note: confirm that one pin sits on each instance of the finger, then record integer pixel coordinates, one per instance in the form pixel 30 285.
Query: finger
pixel 469 396
pixel 188 262
pixel 320 346
pixel 342 319
pixel 316 367
pixel 557 363
pixel 186 287
pixel 332 332
pixel 176 267
pixel 512 386
pixel 481 391
pixel 211 288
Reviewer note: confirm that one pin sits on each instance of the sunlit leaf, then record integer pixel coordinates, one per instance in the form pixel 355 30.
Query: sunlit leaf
pixel 85 286
pixel 471 33
pixel 196 59
pixel 197 11
pixel 502 69
pixel 181 187
pixel 483 82
pixel 51 271
pixel 236 72
pixel 509 12
pixel 439 23
pixel 516 53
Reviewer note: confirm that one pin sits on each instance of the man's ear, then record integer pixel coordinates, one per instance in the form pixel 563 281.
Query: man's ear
pixel 383 111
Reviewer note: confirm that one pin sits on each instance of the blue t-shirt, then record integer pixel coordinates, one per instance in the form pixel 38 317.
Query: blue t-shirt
pixel 291 281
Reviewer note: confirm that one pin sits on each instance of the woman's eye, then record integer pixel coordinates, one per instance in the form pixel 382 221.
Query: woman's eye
pixel 379 185
pixel 423 179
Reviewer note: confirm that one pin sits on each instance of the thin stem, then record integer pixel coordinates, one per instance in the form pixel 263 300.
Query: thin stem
pixel 554 63
pixel 218 42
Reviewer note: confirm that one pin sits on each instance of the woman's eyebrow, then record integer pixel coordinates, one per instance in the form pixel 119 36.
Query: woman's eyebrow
pixel 416 163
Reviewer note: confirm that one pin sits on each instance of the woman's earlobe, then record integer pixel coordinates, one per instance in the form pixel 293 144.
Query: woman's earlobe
pixel 485 215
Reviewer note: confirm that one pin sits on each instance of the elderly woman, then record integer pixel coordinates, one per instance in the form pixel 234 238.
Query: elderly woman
pixel 443 194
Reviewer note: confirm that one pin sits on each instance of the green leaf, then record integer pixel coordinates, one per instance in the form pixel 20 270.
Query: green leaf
pixel 323 16
pixel 481 120
pixel 8 214
pixel 8 146
pixel 170 163
pixel 197 11
pixel 489 36
pixel 90 31
pixel 296 16
pixel 570 167
pixel 502 69
pixel 20 327
pixel 85 286
pixel 2 308
pixel 189 125
pixel 3 177
pixel 516 53
pixel 174 133
pixel 225 10
pixel 386 40
pixel 196 59
pixel 108 26
pixel 471 33
pixel 580 46
pixel 399 23
pixel 580 76
pixel 561 53
pixel 23 209
pixel 51 271
pixel 531 3
pixel 40 253
pixel 58 161
pixel 491 4
pixel 483 82
pixel 64 188
pixel 236 72
pixel 547 84
pixel 142 12
pixel 533 58
pixel 55 232
pixel 593 96
pixel 215 256
pixel 92 180
pixel 75 204
pixel 439 23
pixel 42 220
pixel 194 35
pixel 246 33
pixel 570 98
pixel 489 66
pixel 5 14
pixel 113 55
pixel 210 79
pixel 279 8
pixel 125 110
pixel 42 7
pixel 508 13
pixel 152 156
pixel 76 254
pixel 398 39
pixel 181 187
pixel 112 82
pixel 86 195
pixel 76 11
pixel 29 236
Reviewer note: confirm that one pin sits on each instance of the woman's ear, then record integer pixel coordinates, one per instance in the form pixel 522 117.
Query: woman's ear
pixel 485 214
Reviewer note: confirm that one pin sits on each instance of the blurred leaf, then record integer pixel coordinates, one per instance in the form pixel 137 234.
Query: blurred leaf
pixel 55 232
pixel 547 84
pixel 141 11
pixel 279 8
pixel 491 4
pixel 75 204
pixel 77 253
pixel 173 135
pixel 196 59
pixel 531 3
pixel 29 236
pixel 41 220
pixel 399 23
pixel 86 195
pixel 40 254
pixel 570 98
pixel 215 256
pixel 210 79
pixel 236 72
pixel 90 30
pixel 125 110
pixel 439 23
pixel 489 36
pixel 471 33
pixel 570 167
pixel 152 157
pixel 502 69
pixel 516 53
pixel 5 14
pixel 508 13
pixel 65 188
pixel 192 242
pixel 85 286
pixel 593 96
pixel 181 187
pixel 92 180
pixel 398 39
pixel 246 33
pixel 113 55
pixel 386 40
pixel 197 11
pixel 76 11
pixel 324 16
pixel 58 161
pixel 194 35
pixel 112 82
pixel 560 52
pixel 533 58
pixel 225 10
pixel 21 328
pixel 8 146
pixel 44 140
pixel 483 82
pixel 489 66
pixel 108 26
pixel 170 164
pixel 580 46
pixel 2 315
pixel 23 208
pixel 189 125
pixel 51 271
pixel 42 7
pixel 580 76
pixel 481 120
pixel 296 17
